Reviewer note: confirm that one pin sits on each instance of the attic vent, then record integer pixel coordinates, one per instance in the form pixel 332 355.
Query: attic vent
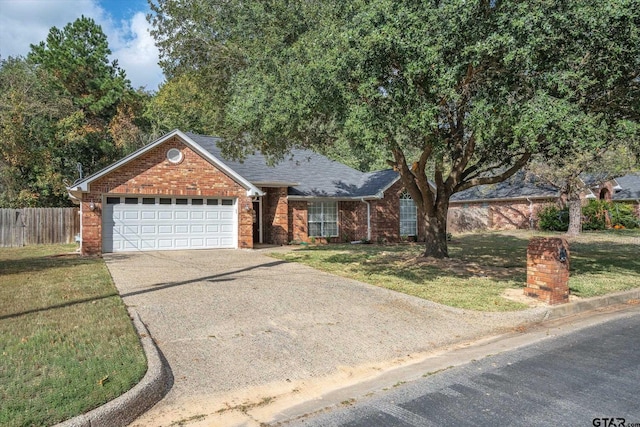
pixel 174 155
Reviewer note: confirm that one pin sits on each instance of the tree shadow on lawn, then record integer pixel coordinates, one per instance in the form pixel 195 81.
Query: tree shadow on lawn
pixel 495 256
pixel 500 258
pixel 594 258
pixel 46 262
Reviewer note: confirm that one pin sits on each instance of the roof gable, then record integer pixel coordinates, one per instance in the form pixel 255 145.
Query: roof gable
pixel 629 187
pixel 83 185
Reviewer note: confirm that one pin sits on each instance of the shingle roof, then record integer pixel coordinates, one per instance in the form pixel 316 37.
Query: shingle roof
pixel 309 174
pixel 630 187
pixel 519 186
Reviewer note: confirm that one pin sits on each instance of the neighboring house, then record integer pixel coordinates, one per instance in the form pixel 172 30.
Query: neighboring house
pixel 511 204
pixel 179 193
pixel 626 189
pixel 515 202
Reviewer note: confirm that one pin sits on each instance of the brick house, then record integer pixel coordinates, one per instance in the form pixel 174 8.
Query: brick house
pixel 515 202
pixel 180 193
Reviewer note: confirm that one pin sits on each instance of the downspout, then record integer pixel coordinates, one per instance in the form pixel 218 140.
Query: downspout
pixel 530 213
pixel 368 218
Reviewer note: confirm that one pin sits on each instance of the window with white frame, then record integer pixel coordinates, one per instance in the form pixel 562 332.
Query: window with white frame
pixel 323 219
pixel 408 215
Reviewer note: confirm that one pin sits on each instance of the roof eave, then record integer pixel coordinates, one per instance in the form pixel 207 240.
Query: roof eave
pixel 505 199
pixel 275 184
pixel 336 198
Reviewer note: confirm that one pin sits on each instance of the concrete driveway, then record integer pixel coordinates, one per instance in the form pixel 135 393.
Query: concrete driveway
pixel 247 335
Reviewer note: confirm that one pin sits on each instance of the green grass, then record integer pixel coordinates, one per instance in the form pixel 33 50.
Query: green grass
pixel 481 267
pixel 67 343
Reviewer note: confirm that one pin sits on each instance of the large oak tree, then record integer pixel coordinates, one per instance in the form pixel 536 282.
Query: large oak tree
pixel 455 93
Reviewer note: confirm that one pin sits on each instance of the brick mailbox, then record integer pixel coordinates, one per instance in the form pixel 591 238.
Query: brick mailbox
pixel 548 270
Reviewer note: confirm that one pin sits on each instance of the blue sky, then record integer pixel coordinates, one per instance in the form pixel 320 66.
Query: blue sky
pixel 25 22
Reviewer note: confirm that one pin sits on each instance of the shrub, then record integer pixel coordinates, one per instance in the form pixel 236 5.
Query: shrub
pixel 622 216
pixel 594 215
pixel 551 218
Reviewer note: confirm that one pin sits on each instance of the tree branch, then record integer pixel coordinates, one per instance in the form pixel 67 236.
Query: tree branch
pixel 495 178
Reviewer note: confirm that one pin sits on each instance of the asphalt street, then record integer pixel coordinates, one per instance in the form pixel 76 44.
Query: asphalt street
pixel 590 377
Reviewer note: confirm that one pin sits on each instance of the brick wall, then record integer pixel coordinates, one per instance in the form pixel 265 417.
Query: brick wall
pixel 298 225
pixel 352 217
pixel 385 215
pixel 495 215
pixel 547 272
pixel 153 174
pixel 275 216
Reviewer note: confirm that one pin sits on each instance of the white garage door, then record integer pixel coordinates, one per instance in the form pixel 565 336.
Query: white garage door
pixel 159 223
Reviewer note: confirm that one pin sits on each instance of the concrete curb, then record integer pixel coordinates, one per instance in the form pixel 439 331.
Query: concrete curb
pixel 581 306
pixel 123 410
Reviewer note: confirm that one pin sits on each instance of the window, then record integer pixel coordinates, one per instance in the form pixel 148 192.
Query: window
pixel 408 215
pixel 196 202
pixel 148 201
pixel 113 200
pixel 227 202
pixel 174 155
pixel 164 201
pixel 212 201
pixel 181 201
pixel 130 200
pixel 323 219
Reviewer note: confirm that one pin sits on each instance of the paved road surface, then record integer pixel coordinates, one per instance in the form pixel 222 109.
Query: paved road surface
pixel 577 379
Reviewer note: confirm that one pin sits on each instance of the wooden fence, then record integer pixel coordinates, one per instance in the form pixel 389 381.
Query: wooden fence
pixel 32 226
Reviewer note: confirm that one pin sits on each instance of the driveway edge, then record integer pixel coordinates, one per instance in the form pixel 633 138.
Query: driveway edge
pixel 593 303
pixel 124 409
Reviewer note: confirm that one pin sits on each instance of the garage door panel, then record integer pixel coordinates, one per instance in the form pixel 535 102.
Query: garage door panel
pixel 131 215
pixel 181 243
pixel 148 229
pixel 146 226
pixel 165 229
pixel 165 215
pixel 148 244
pixel 130 230
pixel 197 243
pixel 226 241
pixel 149 214
pixel 129 245
pixel 165 243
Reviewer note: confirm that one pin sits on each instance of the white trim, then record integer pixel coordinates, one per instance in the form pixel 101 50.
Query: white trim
pixel 503 199
pixel 275 184
pixel 332 199
pixel 260 221
pixel 84 185
pixel 368 218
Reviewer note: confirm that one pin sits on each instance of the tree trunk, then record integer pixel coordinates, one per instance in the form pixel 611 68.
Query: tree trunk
pixel 575 215
pixel 435 232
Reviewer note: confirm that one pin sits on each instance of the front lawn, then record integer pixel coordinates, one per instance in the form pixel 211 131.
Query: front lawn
pixel 482 266
pixel 67 343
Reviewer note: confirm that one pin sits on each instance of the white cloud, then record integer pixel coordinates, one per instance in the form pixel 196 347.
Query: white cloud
pixel 26 22
pixel 138 54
